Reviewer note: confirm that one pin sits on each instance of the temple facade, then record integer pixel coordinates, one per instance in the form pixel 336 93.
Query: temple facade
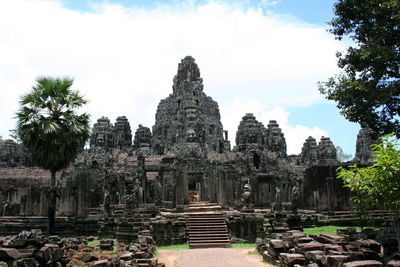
pixel 186 152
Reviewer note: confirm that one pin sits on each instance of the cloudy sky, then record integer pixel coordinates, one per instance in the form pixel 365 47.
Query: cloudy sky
pixel 264 57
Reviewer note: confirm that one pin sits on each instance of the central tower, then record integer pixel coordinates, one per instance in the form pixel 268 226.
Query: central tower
pixel 188 114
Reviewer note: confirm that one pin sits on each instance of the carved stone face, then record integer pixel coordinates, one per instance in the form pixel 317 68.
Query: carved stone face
pixel 100 140
pixel 191 136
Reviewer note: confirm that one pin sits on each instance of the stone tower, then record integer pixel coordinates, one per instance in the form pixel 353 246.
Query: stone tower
pixel 250 132
pixel 275 140
pixel 103 134
pixel 309 152
pixel 188 111
pixel 123 132
pixel 363 146
pixel 326 151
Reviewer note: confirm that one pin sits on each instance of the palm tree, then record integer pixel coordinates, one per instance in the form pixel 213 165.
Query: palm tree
pixel 50 128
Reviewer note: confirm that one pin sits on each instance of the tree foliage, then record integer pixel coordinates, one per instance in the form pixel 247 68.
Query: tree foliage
pixel 367 90
pixel 50 128
pixel 378 185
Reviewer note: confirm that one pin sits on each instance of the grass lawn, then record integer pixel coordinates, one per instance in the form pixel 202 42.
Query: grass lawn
pixel 176 247
pixel 243 245
pixel 186 246
pixel 329 229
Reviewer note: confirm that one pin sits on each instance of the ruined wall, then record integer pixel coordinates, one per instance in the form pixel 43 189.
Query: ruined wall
pixel 23 191
pixel 323 191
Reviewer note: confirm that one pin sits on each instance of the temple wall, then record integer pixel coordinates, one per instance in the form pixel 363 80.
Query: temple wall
pixel 323 191
pixel 24 190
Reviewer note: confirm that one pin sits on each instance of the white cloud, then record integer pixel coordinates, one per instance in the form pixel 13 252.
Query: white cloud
pixel 124 59
pixel 295 135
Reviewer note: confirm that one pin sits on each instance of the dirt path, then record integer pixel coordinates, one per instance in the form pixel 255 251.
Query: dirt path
pixel 210 257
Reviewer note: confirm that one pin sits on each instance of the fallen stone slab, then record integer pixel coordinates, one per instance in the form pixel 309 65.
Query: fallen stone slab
pixel 26 252
pixel 331 239
pixel 303 248
pixel 85 256
pixel 268 257
pixel 314 255
pixel 126 256
pixel 370 254
pixel 332 247
pixel 277 243
pixel 305 239
pixel 9 254
pixel 394 263
pixel 334 260
pixel 355 255
pixel 370 244
pixel 366 263
pixel 28 262
pixel 292 259
pixel 14 243
pixel 100 263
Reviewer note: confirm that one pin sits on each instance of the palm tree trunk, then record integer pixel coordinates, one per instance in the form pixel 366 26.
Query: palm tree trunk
pixel 52 204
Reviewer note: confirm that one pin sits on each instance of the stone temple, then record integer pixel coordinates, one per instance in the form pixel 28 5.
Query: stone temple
pixel 186 152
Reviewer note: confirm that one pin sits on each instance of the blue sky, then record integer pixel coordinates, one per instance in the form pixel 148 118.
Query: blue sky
pixel 264 57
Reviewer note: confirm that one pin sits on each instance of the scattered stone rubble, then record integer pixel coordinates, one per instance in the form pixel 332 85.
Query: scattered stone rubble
pixel 348 248
pixel 33 249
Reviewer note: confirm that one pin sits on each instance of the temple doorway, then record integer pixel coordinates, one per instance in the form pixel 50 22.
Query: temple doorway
pixel 194 188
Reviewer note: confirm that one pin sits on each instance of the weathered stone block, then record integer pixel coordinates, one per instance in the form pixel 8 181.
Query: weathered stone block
pixel 314 255
pixel 334 260
pixel 292 259
pixel 9 254
pixel 328 247
pixel 85 256
pixel 28 262
pixel 268 257
pixel 331 239
pixel 100 263
pixel 277 244
pixel 370 244
pixel 366 263
pixel 44 254
pixel 394 263
pixel 302 248
pixel 126 256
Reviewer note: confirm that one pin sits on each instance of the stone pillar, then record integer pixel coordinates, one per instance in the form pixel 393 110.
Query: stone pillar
pixel 181 186
pixel 221 188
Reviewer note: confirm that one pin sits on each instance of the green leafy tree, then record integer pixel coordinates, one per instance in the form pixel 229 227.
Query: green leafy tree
pixel 1 140
pixel 367 90
pixel 50 128
pixel 379 184
pixel 341 156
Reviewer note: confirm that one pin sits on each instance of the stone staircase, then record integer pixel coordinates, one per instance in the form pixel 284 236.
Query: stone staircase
pixel 206 226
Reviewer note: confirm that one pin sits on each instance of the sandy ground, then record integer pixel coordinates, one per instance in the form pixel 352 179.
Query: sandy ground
pixel 210 257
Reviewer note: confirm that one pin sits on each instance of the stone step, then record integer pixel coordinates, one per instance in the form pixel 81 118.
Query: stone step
pixel 206 223
pixel 206 226
pixel 210 245
pixel 209 234
pixel 202 204
pixel 207 219
pixel 198 233
pixel 207 229
pixel 205 215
